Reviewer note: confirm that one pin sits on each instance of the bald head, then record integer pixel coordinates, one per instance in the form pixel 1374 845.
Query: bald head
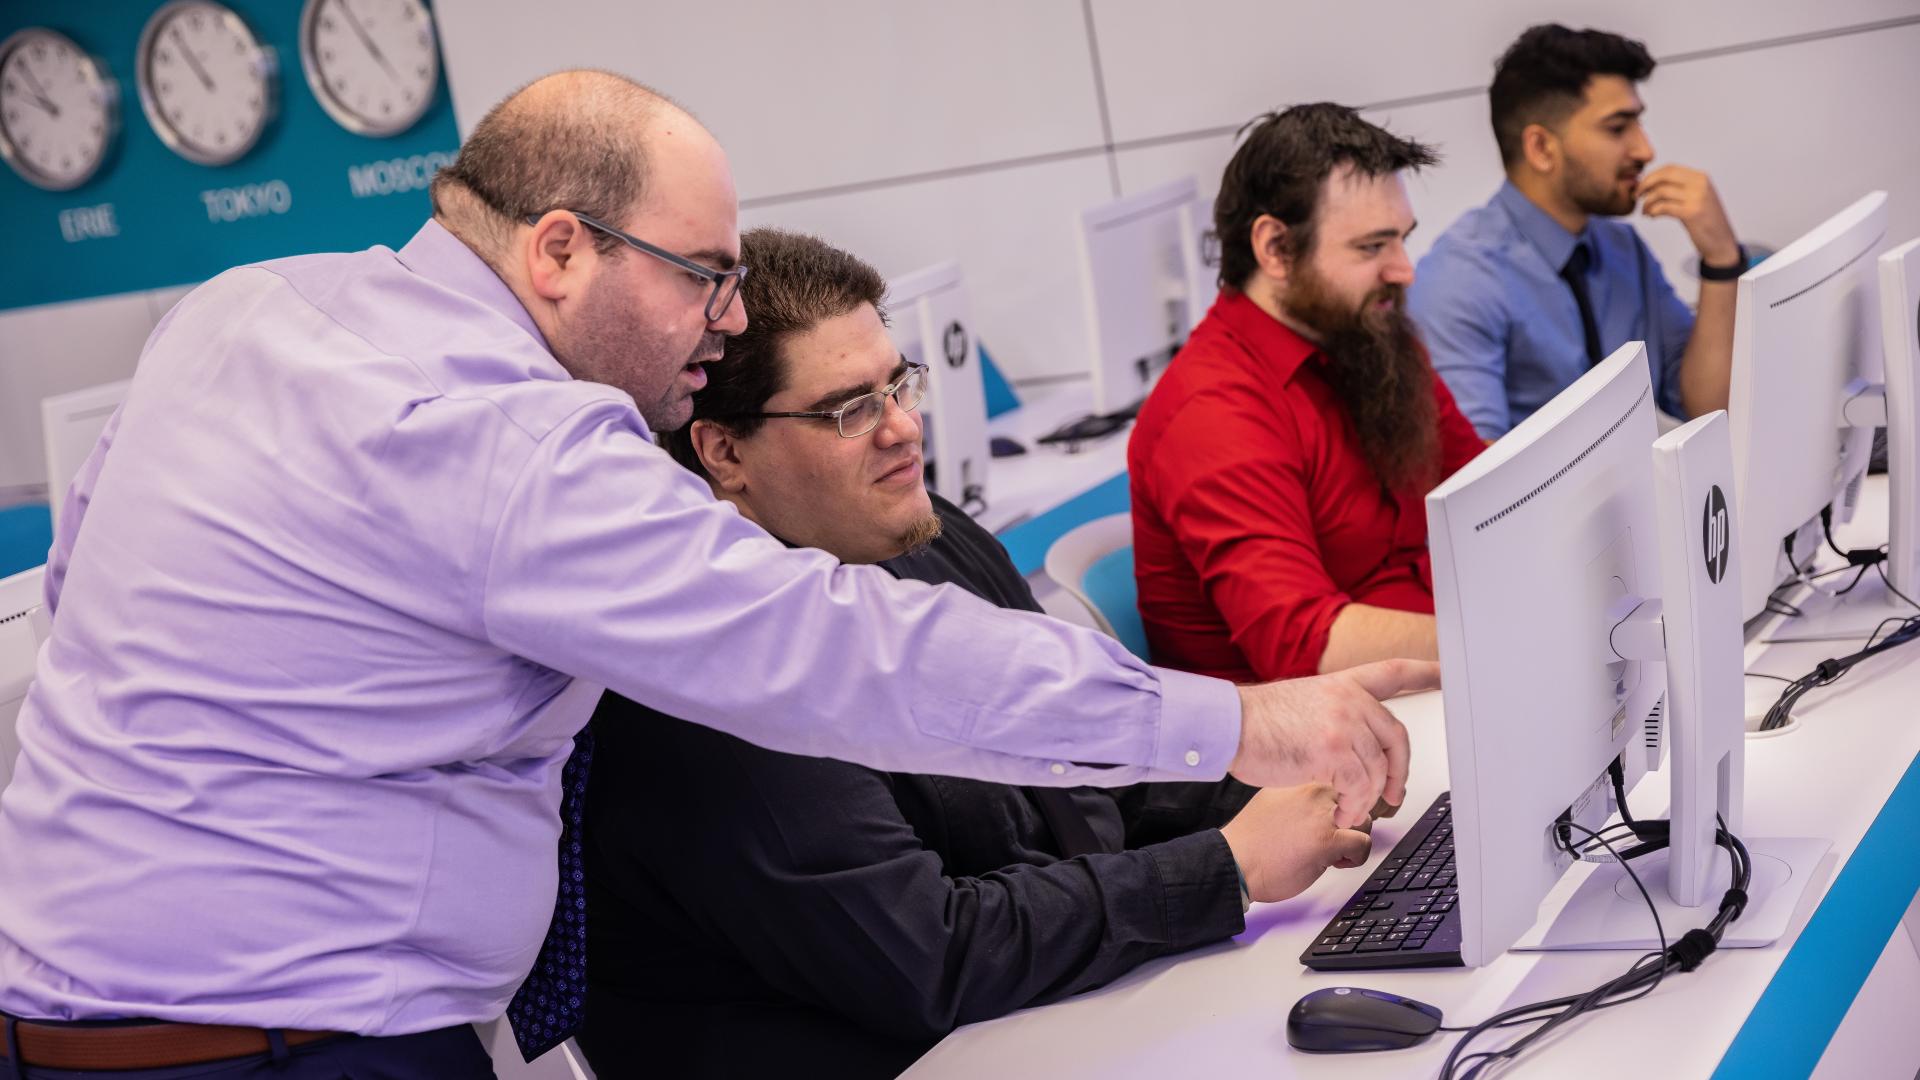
pixel 578 140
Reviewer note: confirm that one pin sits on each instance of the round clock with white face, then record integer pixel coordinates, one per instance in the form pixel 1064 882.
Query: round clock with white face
pixel 372 63
pixel 206 83
pixel 59 110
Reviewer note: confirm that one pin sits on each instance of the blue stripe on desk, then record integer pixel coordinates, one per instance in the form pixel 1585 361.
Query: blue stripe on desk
pixel 1028 541
pixel 1796 1016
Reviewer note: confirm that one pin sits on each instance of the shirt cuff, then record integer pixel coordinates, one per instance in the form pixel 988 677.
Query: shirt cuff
pixel 1202 888
pixel 1199 727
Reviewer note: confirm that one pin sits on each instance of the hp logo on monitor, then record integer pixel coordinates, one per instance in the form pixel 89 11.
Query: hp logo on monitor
pixel 954 344
pixel 1717 533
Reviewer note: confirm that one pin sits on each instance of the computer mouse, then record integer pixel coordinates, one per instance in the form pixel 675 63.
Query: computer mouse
pixel 1001 446
pixel 1346 1019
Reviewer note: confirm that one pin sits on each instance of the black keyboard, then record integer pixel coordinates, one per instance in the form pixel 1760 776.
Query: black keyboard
pixel 1407 914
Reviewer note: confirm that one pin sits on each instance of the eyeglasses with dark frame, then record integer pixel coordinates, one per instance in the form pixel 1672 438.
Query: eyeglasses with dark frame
pixel 726 283
pixel 862 414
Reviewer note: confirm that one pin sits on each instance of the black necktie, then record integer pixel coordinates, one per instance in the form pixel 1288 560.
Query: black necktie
pixel 1575 275
pixel 548 1007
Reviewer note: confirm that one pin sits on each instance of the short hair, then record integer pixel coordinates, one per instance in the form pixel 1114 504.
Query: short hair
pixel 569 141
pixel 1279 170
pixel 1542 78
pixel 796 283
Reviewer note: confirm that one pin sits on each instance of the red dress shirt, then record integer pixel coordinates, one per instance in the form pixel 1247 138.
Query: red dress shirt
pixel 1255 516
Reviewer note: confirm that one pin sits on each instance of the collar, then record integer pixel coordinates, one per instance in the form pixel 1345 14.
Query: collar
pixel 1548 236
pixel 1280 351
pixel 443 258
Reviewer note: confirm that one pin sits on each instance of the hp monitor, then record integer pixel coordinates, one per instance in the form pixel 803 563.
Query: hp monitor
pixel 1144 284
pixel 933 325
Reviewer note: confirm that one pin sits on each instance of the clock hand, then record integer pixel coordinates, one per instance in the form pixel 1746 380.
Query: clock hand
pixel 192 60
pixel 39 95
pixel 367 39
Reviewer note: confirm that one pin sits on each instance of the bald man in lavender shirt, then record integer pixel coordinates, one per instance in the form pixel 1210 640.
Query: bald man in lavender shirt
pixel 348 571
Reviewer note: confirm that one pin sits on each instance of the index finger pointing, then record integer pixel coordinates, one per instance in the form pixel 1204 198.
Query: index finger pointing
pixel 1391 678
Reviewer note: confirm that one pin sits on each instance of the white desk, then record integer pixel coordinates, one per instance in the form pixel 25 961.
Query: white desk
pixel 1848 773
pixel 1034 497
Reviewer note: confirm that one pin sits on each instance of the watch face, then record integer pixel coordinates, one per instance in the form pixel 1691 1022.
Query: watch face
pixel 372 63
pixel 59 110
pixel 206 83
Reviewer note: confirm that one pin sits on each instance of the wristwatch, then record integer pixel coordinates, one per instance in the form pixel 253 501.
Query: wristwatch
pixel 1730 272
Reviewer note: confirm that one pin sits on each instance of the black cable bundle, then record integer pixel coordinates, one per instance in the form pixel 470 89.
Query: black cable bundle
pixel 1831 670
pixel 1645 973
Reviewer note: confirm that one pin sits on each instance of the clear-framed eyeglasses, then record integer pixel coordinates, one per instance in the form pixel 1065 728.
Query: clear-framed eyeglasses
pixel 862 414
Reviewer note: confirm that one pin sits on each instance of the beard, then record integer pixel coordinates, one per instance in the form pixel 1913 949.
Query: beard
pixel 1600 195
pixel 920 534
pixel 1380 375
pixel 612 341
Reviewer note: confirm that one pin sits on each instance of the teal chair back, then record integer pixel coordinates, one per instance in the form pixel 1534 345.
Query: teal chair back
pixel 1109 583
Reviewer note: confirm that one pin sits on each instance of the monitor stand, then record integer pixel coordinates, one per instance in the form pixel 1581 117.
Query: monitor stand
pixel 1607 912
pixel 1697 632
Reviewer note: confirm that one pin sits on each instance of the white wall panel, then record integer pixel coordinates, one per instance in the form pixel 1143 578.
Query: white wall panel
pixel 1012 231
pixel 1210 63
pixel 806 95
pixel 1468 173
pixel 50 350
pixel 1793 135
pixel 1778 157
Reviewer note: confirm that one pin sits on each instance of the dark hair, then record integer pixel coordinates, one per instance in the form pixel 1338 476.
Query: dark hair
pixel 532 153
pixel 1542 78
pixel 796 282
pixel 1279 170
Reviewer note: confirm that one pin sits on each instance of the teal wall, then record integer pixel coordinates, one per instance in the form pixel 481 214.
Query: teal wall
pixel 165 232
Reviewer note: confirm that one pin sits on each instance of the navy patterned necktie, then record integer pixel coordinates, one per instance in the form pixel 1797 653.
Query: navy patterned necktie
pixel 549 1006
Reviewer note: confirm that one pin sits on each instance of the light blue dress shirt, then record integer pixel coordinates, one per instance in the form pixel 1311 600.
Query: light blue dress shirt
pixel 331 598
pixel 1502 325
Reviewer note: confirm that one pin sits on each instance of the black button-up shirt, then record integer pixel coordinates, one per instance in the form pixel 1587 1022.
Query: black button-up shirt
pixel 758 913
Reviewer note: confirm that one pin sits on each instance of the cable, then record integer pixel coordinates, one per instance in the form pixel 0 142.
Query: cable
pixel 1882 569
pixel 1833 669
pixel 1642 976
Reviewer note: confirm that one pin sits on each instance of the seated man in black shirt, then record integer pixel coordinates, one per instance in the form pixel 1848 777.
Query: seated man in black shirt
pixel 757 913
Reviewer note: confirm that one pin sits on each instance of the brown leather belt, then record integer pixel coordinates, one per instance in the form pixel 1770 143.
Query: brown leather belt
pixel 143 1045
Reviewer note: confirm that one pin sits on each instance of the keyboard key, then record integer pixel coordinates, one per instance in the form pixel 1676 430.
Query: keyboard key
pixel 1433 918
pixel 1397 938
pixel 1412 944
pixel 1378 946
pixel 1330 939
pixel 1419 909
pixel 1343 947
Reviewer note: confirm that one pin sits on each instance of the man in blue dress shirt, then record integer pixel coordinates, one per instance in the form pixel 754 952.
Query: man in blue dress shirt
pixel 1521 296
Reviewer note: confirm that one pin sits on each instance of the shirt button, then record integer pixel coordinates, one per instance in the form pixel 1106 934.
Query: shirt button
pixel 1193 758
pixel 1057 769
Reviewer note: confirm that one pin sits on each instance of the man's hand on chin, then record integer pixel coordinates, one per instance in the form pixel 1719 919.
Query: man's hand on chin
pixel 1332 729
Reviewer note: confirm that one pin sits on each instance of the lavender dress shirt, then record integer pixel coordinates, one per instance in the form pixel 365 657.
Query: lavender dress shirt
pixel 330 599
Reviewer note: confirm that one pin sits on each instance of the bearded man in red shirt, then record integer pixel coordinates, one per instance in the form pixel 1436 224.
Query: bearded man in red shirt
pixel 1278 468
